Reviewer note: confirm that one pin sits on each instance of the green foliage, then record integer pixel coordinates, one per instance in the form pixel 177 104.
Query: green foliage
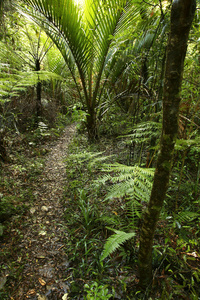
pixel 132 181
pixel 93 160
pixel 7 208
pixel 115 241
pixel 143 142
pixel 95 292
pixel 1 229
pixel 179 276
pixel 17 82
pixel 88 40
pixel 106 51
pixel 186 217
pixel 114 203
pixel 189 144
pixel 131 185
pixel 26 66
pixel 144 132
pixel 79 116
pixel 12 78
pixel 114 122
pixel 88 211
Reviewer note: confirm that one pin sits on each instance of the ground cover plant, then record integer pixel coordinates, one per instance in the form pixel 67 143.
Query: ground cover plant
pixel 103 212
pixel 99 206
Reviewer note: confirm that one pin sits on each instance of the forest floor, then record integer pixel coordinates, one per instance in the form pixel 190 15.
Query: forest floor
pixel 56 223
pixel 33 248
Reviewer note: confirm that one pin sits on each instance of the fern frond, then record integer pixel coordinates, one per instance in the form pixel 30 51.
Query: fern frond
pixel 117 167
pixel 109 220
pixel 134 210
pixel 182 144
pixel 18 82
pixel 115 241
pixel 186 216
pixel 99 160
pixel 103 180
pixel 144 132
pixel 129 181
pixel 85 156
pixel 93 159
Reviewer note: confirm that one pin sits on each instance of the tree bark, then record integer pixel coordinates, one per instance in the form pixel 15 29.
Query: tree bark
pixel 91 125
pixel 182 14
pixel 3 153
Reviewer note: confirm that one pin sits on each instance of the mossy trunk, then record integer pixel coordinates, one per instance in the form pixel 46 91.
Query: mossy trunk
pixel 182 14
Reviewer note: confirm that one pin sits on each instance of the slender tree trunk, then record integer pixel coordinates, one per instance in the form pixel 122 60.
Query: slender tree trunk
pixel 38 103
pixel 3 153
pixel 182 14
pixel 39 93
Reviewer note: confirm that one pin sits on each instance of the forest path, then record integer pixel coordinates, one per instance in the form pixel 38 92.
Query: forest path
pixel 43 244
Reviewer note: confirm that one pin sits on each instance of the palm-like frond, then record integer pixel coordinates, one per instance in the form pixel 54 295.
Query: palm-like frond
pixel 62 21
pixel 93 39
pixel 88 35
pixel 55 62
pixel 84 37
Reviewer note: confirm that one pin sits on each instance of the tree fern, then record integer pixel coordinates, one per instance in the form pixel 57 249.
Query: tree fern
pixel 115 241
pixel 12 84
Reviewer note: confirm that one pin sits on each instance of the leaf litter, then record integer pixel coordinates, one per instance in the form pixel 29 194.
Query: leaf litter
pixel 40 251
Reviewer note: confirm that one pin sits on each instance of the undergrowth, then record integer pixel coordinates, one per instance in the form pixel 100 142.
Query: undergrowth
pixel 107 189
pixel 105 198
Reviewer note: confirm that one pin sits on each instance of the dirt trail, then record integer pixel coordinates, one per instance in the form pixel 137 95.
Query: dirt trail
pixel 43 243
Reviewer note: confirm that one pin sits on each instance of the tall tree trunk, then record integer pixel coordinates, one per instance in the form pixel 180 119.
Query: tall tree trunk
pixel 182 14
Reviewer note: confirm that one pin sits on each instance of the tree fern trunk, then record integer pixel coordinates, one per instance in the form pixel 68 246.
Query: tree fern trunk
pixel 182 14
pixel 39 93
pixel 3 153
